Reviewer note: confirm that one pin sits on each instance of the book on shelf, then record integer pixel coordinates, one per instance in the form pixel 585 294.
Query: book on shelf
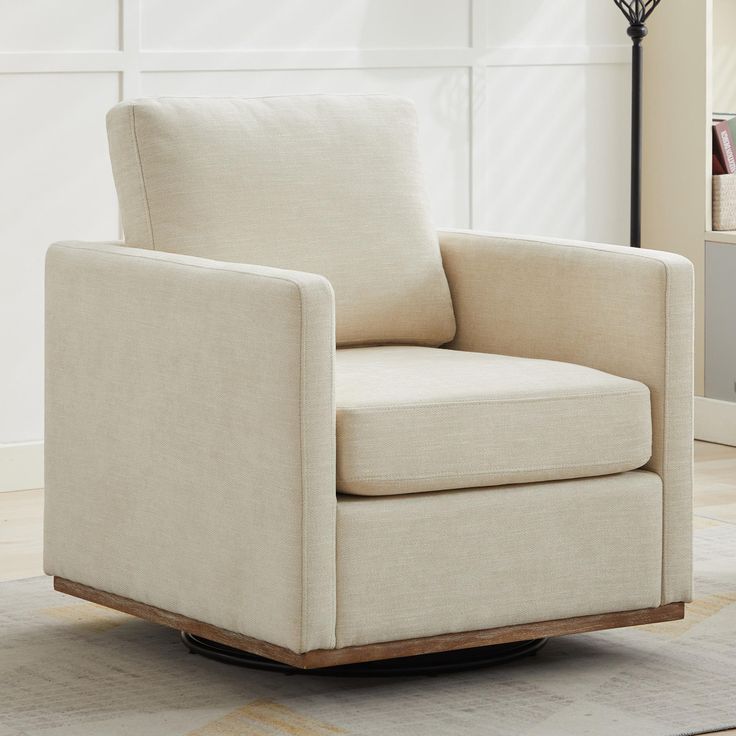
pixel 724 148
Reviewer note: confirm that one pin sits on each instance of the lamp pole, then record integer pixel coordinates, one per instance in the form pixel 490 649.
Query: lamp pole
pixel 636 13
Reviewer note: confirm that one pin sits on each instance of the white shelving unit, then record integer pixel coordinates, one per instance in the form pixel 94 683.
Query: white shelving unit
pixel 721 236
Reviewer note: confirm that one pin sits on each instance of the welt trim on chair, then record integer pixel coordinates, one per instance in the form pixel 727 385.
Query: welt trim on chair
pixel 382 650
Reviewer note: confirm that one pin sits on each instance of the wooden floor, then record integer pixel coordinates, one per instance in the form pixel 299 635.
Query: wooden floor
pixel 21 512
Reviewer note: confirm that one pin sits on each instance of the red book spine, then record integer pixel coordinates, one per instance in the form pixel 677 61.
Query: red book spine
pixel 723 146
pixel 718 169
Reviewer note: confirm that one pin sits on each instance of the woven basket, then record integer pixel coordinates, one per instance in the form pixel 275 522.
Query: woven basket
pixel 724 202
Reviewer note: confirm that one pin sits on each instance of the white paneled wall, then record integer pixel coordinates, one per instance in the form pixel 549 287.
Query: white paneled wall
pixel 50 25
pixel 221 25
pixel 523 109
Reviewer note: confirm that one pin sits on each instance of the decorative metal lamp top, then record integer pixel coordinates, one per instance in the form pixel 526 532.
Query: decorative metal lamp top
pixel 637 12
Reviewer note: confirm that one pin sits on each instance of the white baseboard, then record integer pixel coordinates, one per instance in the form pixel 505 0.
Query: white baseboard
pixel 715 421
pixel 21 466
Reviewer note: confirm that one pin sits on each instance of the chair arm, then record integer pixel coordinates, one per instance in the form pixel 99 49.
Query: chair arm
pixel 190 438
pixel 625 311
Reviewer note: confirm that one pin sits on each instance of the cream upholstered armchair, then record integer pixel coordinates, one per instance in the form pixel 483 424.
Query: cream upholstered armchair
pixel 499 447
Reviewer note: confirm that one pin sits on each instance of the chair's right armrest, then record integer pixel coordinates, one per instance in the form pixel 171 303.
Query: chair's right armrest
pixel 190 442
pixel 625 311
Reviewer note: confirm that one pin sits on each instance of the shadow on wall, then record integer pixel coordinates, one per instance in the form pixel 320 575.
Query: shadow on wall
pixel 553 133
pixel 608 138
pixel 448 106
pixel 557 133
pixel 553 137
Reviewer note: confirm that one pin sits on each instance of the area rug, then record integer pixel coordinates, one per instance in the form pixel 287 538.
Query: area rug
pixel 75 669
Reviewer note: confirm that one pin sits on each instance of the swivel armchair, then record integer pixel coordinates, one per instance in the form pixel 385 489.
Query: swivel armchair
pixel 290 416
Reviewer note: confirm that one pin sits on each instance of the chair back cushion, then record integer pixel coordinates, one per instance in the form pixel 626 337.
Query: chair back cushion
pixel 326 184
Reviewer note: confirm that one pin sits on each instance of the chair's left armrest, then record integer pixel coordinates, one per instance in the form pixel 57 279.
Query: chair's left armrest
pixel 190 437
pixel 626 311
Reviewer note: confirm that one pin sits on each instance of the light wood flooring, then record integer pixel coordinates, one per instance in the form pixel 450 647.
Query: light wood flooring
pixel 21 513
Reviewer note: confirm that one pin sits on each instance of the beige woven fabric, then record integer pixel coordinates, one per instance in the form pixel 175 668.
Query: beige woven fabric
pixel 623 311
pixel 412 419
pixel 724 201
pixel 434 563
pixel 324 184
pixel 190 438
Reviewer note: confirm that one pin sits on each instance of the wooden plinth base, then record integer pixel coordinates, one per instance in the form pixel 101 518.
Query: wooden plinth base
pixel 372 652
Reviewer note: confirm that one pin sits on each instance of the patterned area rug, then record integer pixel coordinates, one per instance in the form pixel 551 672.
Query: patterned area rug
pixel 75 669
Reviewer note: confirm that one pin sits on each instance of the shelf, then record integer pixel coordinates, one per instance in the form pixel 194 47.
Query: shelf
pixel 721 236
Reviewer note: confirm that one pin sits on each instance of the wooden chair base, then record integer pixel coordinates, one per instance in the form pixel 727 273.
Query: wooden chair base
pixel 371 652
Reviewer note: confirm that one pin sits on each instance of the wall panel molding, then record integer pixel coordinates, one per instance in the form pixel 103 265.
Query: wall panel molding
pixel 42 62
pixel 132 60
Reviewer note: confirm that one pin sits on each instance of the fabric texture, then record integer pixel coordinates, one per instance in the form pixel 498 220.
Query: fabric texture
pixel 324 184
pixel 625 311
pixel 190 438
pixel 434 563
pixel 413 419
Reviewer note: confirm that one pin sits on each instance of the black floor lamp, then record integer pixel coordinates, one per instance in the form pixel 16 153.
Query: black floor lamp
pixel 636 12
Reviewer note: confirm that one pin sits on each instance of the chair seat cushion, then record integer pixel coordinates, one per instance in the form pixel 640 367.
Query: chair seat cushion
pixel 414 419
